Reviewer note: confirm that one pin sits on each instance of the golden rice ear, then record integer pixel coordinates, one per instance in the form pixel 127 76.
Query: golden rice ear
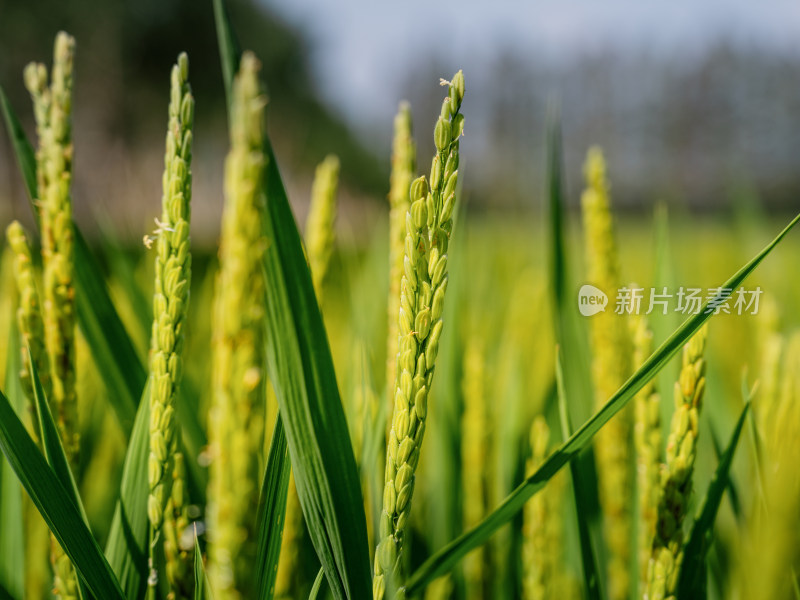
pixel 676 478
pixel 544 575
pixel 52 103
pixel 400 184
pixel 237 413
pixel 29 321
pixel 611 366
pixel 475 426
pixel 647 442
pixel 167 503
pixel 320 234
pixel 422 290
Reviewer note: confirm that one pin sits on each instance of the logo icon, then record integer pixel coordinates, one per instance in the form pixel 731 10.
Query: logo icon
pixel 591 300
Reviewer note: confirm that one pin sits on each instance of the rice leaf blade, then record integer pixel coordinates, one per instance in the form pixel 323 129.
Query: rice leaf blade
pixel 317 587
pixel 112 349
pixel 445 559
pixel 12 534
pixel 301 370
pixel 55 505
pixel 229 50
pixel 126 548
pixel 19 141
pixel 555 196
pixel 570 334
pixel 202 589
pixel 591 577
pixel 272 511
pixel 54 453
pixel 692 576
pixel 53 449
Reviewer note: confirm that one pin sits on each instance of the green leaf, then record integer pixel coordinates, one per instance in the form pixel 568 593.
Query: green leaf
pixel 22 147
pixel 51 442
pixel 54 452
pixel 315 589
pixel 113 351
pixel 692 576
pixel 571 334
pixel 55 505
pixel 12 533
pixel 5 594
pixel 554 187
pixel 591 578
pixel 126 548
pixel 272 511
pixel 444 560
pixel 229 50
pixel 202 589
pixel 301 371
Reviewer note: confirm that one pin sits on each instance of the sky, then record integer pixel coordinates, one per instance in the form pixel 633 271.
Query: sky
pixel 362 48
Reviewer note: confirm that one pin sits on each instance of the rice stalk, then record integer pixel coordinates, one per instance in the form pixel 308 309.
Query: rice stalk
pixel 319 233
pixel 542 541
pixel 770 554
pixel 676 477
pixel 178 535
pixel 403 169
pixel 52 104
pixel 319 239
pixel 173 263
pixel 53 111
pixel 236 419
pixel 611 357
pixel 429 223
pixel 647 439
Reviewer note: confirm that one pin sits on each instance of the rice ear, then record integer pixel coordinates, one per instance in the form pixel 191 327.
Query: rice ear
pixel 429 222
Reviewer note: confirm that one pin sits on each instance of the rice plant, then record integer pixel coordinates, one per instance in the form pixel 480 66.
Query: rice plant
pixel 270 444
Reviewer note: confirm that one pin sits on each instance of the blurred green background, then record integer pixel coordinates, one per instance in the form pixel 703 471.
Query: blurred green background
pixel 694 105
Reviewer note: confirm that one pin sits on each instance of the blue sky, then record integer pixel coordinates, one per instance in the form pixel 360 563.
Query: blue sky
pixel 361 48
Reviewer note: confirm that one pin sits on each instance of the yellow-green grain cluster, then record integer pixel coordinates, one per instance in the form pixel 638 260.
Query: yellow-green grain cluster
pixel 611 357
pixel 474 460
pixel 236 419
pixel 29 319
pixel 429 223
pixel 770 552
pixel 676 477
pixel 542 546
pixel 320 233
pixel 647 438
pixel 173 263
pixel 404 158
pixel 178 536
pixel 52 105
